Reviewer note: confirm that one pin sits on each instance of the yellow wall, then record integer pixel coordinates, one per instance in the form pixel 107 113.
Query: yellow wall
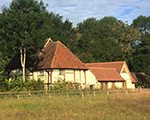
pixel 119 84
pixel 125 73
pixel 90 78
pixel 127 77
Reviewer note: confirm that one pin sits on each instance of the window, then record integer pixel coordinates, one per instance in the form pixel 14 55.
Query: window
pixel 124 71
pixel 61 71
pixel 41 72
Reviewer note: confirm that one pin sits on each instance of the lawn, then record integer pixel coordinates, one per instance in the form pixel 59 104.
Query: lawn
pixel 131 106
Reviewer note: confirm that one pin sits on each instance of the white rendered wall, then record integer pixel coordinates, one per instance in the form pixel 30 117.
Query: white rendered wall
pixel 119 84
pixel 129 84
pixel 90 78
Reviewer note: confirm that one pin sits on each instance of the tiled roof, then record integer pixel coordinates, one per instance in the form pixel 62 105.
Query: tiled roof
pixel 118 65
pixel 55 55
pixel 59 56
pixel 106 74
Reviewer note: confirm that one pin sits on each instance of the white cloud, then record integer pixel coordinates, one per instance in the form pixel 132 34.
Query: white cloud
pixel 78 10
pixel 5 3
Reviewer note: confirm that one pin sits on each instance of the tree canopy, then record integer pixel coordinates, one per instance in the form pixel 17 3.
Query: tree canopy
pixel 141 57
pixel 107 39
pixel 25 25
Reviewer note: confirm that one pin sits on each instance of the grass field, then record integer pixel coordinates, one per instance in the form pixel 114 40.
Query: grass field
pixel 131 106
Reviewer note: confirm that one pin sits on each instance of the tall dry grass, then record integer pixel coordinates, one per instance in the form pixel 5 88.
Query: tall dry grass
pixel 131 106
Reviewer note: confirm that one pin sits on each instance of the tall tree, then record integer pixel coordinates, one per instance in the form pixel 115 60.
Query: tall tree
pixel 107 39
pixel 20 25
pixel 141 58
pixel 143 23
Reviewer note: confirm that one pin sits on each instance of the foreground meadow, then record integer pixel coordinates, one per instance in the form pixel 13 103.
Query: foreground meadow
pixel 131 106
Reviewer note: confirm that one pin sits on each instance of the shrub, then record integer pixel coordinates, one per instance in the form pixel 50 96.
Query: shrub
pixel 16 84
pixel 60 84
pixel 33 85
pixel 3 85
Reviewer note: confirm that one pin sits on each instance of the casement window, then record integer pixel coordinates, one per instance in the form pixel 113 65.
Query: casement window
pixel 61 72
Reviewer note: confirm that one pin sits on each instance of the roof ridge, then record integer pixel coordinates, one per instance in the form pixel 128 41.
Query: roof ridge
pixel 48 40
pixel 106 62
pixel 54 55
pixel 102 68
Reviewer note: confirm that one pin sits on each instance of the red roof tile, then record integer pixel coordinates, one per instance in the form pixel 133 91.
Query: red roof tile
pixel 118 65
pixel 59 56
pixel 106 74
pixel 55 55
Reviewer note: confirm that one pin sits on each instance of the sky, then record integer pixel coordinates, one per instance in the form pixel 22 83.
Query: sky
pixel 78 10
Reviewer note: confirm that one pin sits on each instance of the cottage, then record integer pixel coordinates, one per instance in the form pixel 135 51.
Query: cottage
pixel 111 74
pixel 56 61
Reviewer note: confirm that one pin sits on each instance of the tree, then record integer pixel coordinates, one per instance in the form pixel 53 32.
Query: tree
pixel 107 39
pixel 143 23
pixel 21 25
pixel 141 56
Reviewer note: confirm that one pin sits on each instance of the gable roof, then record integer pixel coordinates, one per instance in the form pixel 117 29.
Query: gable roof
pixel 59 56
pixel 106 74
pixel 55 55
pixel 118 65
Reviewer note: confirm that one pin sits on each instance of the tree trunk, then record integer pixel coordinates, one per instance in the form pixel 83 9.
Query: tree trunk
pixel 23 61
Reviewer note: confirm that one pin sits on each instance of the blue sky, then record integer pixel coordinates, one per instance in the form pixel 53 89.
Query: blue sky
pixel 78 10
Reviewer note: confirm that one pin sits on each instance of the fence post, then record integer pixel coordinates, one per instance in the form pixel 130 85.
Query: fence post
pixel 126 92
pixel 67 95
pixel 118 92
pixel 107 92
pixel 18 97
pixel 29 93
pixel 82 95
pixel 50 95
pixel 94 93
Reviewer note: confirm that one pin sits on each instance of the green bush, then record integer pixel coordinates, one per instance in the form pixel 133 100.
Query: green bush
pixel 60 84
pixel 3 85
pixel 16 84
pixel 33 85
pixel 63 85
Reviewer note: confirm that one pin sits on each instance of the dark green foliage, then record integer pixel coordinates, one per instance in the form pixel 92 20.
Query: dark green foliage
pixel 143 23
pixel 21 24
pixel 26 24
pixel 143 80
pixel 141 56
pixel 107 39
pixel 3 84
